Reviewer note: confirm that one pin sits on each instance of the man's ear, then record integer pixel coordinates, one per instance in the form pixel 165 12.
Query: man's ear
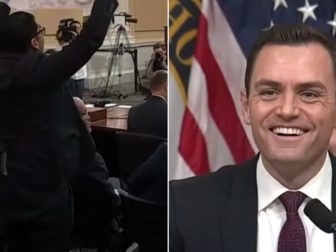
pixel 35 43
pixel 245 107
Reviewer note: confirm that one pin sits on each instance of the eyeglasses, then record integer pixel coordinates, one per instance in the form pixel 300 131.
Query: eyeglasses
pixel 41 30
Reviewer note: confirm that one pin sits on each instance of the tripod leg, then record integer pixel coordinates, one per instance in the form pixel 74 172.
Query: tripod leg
pixel 113 61
pixel 134 54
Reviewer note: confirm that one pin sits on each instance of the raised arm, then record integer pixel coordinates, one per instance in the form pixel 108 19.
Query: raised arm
pixel 59 66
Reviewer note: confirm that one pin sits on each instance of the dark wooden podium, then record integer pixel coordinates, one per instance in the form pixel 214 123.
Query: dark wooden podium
pixel 109 119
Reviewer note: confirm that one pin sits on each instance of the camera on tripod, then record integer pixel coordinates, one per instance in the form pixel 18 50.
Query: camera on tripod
pixel 120 46
pixel 122 18
pixel 67 30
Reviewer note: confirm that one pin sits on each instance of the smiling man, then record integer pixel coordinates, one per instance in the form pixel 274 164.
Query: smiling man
pixel 289 102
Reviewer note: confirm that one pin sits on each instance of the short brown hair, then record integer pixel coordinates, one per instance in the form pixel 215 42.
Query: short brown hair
pixel 158 45
pixel 158 80
pixel 295 35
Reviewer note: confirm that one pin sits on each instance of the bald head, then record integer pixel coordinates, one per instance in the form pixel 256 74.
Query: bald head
pixel 80 105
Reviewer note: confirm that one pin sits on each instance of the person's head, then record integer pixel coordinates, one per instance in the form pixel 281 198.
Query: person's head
pixel 290 96
pixel 291 35
pixel 22 33
pixel 68 30
pixel 157 46
pixel 82 110
pixel 159 83
pixel 76 25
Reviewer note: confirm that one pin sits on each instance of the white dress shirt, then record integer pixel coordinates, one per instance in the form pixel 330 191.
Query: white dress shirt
pixel 272 214
pixel 80 74
pixel 160 97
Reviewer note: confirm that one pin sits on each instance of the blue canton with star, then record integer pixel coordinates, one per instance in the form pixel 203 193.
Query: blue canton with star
pixel 248 17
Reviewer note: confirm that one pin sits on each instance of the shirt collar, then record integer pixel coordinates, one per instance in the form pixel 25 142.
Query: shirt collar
pixel 269 189
pixel 160 96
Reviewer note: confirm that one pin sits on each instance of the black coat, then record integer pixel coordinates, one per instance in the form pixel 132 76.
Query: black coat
pixel 149 117
pixel 149 181
pixel 219 212
pixel 4 11
pixel 44 139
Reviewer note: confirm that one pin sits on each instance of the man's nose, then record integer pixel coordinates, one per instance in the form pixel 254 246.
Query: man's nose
pixel 288 107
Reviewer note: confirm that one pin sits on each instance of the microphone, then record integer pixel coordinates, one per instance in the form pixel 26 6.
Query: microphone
pixel 321 216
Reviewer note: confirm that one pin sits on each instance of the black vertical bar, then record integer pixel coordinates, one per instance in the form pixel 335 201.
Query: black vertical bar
pixel 136 72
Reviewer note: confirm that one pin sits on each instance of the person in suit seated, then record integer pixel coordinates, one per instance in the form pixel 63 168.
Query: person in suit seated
pixel 43 142
pixel 95 201
pixel 289 102
pixel 150 117
pixel 149 181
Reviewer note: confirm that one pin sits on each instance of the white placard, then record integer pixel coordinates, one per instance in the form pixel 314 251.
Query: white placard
pixel 124 106
pixel 38 4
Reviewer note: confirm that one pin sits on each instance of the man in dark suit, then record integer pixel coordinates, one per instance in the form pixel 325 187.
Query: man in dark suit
pixel 290 103
pixel 43 141
pixel 95 200
pixel 150 117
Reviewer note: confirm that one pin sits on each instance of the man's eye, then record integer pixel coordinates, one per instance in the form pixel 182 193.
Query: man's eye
pixel 309 94
pixel 268 93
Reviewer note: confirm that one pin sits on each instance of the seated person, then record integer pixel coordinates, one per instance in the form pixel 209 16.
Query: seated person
pixel 149 181
pixel 150 117
pixel 95 202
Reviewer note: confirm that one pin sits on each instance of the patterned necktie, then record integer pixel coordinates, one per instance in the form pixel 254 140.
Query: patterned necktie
pixel 292 235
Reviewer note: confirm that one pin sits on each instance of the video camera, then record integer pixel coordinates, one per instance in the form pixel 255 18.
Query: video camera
pixel 122 18
pixel 67 30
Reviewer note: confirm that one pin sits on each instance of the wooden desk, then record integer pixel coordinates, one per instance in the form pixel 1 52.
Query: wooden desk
pixel 116 120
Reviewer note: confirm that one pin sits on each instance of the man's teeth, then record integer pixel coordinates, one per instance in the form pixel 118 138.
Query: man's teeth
pixel 288 131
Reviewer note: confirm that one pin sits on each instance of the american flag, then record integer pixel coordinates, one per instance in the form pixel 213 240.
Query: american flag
pixel 208 45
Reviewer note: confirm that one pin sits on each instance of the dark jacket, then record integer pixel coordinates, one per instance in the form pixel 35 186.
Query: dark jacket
pixel 95 202
pixel 4 12
pixel 149 181
pixel 44 139
pixel 149 117
pixel 218 212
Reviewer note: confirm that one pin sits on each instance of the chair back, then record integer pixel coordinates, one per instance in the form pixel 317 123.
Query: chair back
pixel 133 149
pixel 144 222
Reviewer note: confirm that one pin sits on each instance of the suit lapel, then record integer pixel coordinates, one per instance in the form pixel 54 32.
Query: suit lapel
pixel 333 190
pixel 238 211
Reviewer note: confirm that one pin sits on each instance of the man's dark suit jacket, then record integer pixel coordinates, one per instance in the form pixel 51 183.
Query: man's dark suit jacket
pixel 149 117
pixel 149 181
pixel 45 141
pixel 218 212
pixel 95 203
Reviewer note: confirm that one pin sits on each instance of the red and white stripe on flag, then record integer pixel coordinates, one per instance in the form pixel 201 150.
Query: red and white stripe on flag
pixel 207 131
